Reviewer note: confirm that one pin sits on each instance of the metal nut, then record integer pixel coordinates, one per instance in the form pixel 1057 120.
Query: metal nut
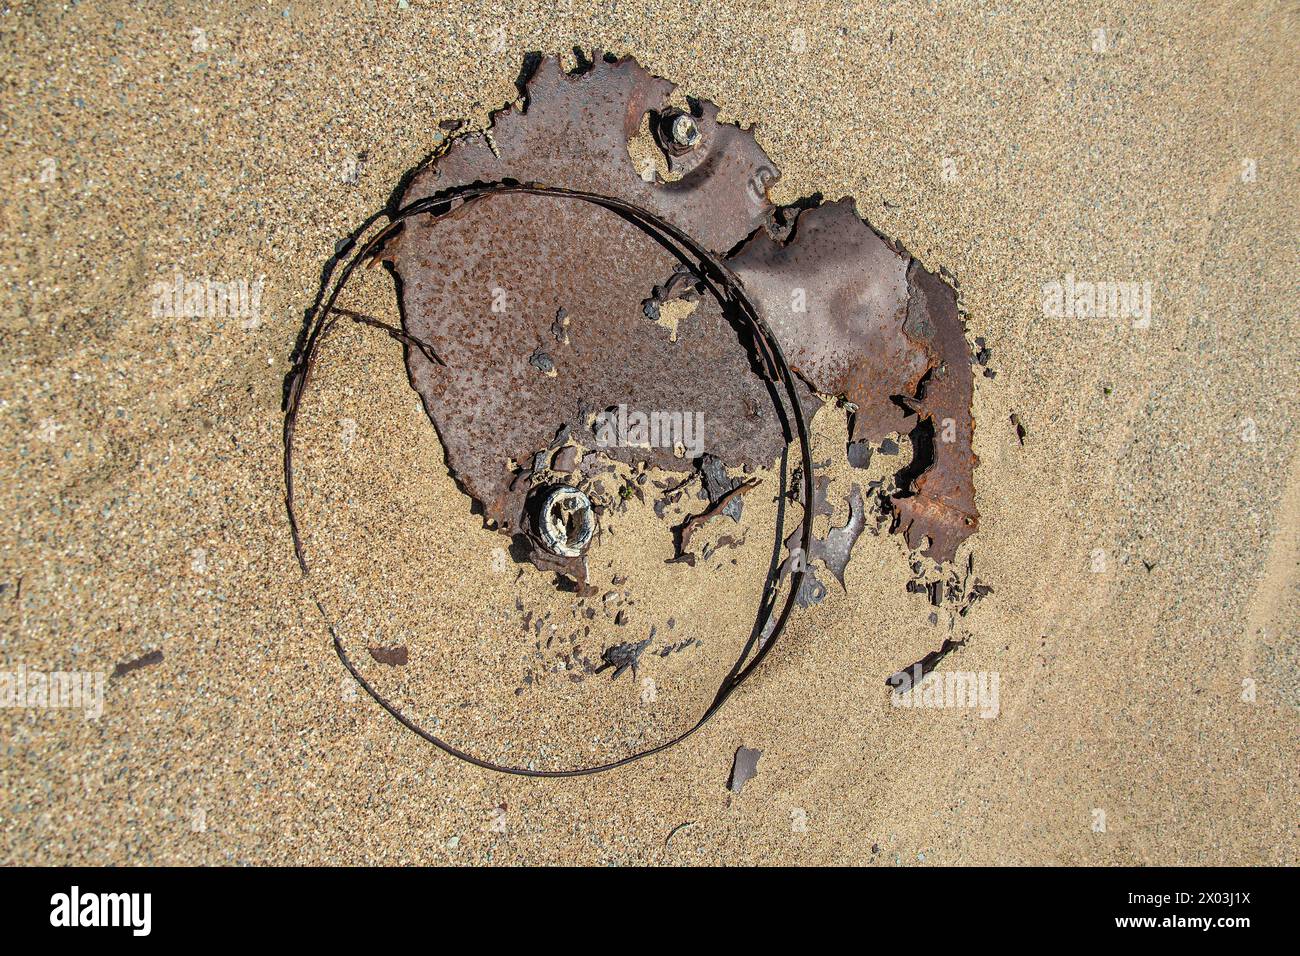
pixel 682 130
pixel 566 521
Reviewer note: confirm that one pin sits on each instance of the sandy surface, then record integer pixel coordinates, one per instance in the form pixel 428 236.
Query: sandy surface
pixel 1142 543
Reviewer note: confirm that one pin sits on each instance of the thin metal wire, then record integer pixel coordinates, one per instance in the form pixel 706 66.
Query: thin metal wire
pixel 721 279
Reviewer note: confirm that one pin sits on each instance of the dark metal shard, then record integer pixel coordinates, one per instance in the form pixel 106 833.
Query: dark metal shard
pixel 812 591
pixel 838 546
pixel 145 660
pixel 395 656
pixel 909 677
pixel 744 767
pixel 622 656
pixel 833 551
pixel 717 483
pixel 686 530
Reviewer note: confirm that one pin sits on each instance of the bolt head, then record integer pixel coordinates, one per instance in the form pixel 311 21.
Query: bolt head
pixel 566 522
pixel 684 131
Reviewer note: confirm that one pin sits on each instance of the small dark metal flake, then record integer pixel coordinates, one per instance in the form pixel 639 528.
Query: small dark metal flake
pixel 744 767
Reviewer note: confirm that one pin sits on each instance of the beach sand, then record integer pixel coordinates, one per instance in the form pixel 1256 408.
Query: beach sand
pixel 1141 543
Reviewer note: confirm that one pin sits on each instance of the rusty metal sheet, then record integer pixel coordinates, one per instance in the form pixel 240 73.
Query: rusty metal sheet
pixel 543 313
pixel 835 296
pixel 858 318
pixel 542 289
pixel 484 284
pixel 573 130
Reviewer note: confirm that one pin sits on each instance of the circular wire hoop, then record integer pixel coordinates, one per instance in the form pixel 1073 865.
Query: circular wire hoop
pixel 722 283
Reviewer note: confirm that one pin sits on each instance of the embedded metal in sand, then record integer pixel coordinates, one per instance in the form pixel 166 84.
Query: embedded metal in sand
pixel 549 287
pixel 482 285
pixel 566 522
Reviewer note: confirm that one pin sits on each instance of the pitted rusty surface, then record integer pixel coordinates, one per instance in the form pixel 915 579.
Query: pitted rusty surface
pixel 484 286
pixel 835 297
pixel 855 316
pixel 858 318
pixel 573 131
pixel 941 505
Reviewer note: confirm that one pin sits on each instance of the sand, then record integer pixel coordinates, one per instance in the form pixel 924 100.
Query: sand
pixel 1142 543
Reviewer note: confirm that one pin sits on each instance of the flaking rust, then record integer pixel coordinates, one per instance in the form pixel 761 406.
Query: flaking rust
pixel 941 502
pixel 859 318
pixel 543 314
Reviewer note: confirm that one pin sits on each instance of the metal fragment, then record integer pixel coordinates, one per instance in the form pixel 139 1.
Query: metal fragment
pixel 566 522
pixel 686 530
pixel 838 546
pixel 395 656
pixel 572 130
pixel 940 504
pixel 835 296
pixel 622 656
pixel 858 318
pixel 744 767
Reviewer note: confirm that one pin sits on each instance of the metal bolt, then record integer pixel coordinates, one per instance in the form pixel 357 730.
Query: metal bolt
pixel 684 132
pixel 566 521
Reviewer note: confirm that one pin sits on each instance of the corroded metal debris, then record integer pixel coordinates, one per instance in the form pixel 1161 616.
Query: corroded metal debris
pixel 395 656
pixel 622 656
pixel 857 317
pixel 836 297
pixel 838 544
pixel 564 302
pixel 544 316
pixel 483 285
pixel 573 130
pixel 811 591
pixel 940 505
pixel 720 506
pixel 145 660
